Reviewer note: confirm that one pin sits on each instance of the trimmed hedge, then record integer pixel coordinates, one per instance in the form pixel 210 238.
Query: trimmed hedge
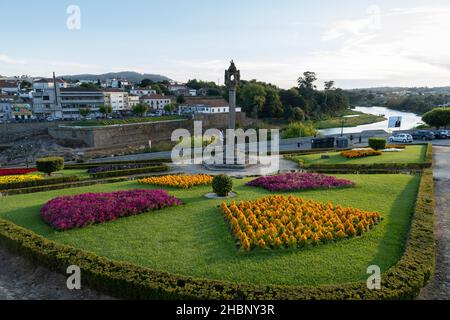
pixel 377 143
pixel 50 164
pixel 38 183
pixel 129 172
pixel 402 281
pixel 101 164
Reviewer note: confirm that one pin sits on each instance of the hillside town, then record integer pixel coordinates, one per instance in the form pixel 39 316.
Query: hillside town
pixel 53 99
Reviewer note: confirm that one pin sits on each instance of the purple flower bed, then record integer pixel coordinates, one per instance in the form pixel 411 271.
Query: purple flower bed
pixel 83 210
pixel 300 181
pixel 117 167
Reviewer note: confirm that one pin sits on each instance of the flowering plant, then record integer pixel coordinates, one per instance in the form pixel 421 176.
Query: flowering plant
pixel 20 178
pixel 299 181
pixel 13 172
pixel 289 222
pixel 79 211
pixel 361 153
pixel 183 182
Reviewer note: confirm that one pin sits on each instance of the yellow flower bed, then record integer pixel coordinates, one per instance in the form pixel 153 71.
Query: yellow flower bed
pixel 289 222
pixel 183 182
pixel 20 178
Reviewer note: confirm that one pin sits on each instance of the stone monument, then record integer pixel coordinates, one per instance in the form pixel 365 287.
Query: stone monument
pixel 232 79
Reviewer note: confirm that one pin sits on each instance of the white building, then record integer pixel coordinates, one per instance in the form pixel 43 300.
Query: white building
pixel 117 99
pixel 205 106
pixel 46 98
pixel 142 92
pixel 133 100
pixel 155 102
pixel 116 83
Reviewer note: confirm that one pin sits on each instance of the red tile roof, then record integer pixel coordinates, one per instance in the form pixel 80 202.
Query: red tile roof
pixel 154 97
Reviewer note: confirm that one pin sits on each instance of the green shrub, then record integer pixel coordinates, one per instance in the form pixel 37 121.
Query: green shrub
pixel 50 165
pixel 299 129
pixel 222 185
pixel 377 143
pixel 38 183
pixel 129 172
pixel 90 165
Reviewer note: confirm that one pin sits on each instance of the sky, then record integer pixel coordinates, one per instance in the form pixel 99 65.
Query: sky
pixel 356 43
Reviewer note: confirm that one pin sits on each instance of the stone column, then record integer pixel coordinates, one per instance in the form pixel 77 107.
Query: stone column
pixel 232 112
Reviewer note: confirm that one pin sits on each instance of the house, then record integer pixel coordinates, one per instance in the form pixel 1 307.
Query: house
pixel 133 99
pixel 142 92
pixel 117 83
pixel 74 99
pixel 46 98
pixel 155 102
pixel 9 87
pixel 15 108
pixel 205 106
pixel 182 90
pixel 116 98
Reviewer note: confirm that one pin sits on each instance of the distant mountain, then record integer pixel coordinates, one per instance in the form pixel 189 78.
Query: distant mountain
pixel 126 75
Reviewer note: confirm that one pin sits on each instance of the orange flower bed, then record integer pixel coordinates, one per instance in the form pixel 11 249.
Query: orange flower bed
pixel 290 222
pixel 183 182
pixel 354 154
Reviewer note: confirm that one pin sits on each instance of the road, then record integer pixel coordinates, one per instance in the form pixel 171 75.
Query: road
pixel 439 287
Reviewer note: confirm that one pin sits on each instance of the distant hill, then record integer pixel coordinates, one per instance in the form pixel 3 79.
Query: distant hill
pixel 127 75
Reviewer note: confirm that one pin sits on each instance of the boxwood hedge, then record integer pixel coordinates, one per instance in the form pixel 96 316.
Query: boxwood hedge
pixel 402 281
pixel 129 172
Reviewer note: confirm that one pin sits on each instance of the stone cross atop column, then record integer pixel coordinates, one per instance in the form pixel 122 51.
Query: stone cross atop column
pixel 232 79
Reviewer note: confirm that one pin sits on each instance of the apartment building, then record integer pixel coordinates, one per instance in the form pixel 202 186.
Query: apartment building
pixel 155 102
pixel 46 102
pixel 74 99
pixel 142 92
pixel 117 99
pixel 133 100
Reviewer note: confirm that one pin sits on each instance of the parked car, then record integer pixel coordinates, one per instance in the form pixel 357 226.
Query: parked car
pixel 402 138
pixel 423 135
pixel 441 134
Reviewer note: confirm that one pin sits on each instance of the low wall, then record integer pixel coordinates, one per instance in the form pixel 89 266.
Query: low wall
pixel 10 132
pixel 139 134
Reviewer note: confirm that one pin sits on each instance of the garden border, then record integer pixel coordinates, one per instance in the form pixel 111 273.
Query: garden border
pixel 402 281
pixel 367 168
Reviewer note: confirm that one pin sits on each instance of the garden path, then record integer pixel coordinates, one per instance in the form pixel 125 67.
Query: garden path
pixel 439 286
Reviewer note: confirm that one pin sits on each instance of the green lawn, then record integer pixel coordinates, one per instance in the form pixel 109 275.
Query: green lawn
pixel 412 154
pixel 356 119
pixel 194 240
pixel 109 122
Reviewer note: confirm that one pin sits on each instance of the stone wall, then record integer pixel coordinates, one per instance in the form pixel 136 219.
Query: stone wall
pixel 10 132
pixel 139 134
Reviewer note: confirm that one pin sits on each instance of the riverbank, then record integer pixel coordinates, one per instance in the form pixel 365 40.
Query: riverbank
pixel 351 118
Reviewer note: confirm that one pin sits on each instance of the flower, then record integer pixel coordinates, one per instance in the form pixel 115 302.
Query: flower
pixel 290 222
pixel 79 211
pixel 20 178
pixel 179 181
pixel 299 181
pixel 13 172
pixel 362 153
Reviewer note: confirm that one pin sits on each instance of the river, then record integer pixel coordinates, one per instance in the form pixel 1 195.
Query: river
pixel 410 121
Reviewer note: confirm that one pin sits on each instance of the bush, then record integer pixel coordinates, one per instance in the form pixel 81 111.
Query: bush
pixel 299 129
pixel 50 165
pixel 377 143
pixel 222 185
pixel 129 172
pixel 37 183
